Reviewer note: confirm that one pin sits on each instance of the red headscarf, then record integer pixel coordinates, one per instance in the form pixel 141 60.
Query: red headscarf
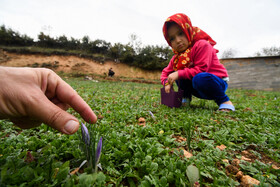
pixel 193 34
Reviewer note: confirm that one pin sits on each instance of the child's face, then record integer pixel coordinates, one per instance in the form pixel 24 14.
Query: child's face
pixel 177 38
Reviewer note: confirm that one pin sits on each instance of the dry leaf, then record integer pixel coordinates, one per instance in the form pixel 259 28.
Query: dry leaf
pixel 274 166
pixel 181 139
pixel 225 161
pixel 245 158
pixel 221 147
pixel 248 109
pixel 249 181
pixel 239 175
pixel 142 121
pixel 245 152
pixel 235 162
pixel 187 154
pixel 74 171
pixel 100 116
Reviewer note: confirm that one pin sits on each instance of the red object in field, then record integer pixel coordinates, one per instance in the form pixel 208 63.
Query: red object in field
pixel 172 99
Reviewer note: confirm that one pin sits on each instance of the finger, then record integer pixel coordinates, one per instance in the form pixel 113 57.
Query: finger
pixel 170 80
pixel 66 94
pixel 58 103
pixel 77 103
pixel 168 89
pixel 45 111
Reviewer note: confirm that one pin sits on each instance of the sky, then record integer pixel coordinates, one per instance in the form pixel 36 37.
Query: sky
pixel 244 26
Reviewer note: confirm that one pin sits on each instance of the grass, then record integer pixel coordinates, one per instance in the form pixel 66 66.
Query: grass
pixel 149 154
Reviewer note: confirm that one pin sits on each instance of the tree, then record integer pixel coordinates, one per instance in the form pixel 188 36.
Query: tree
pixel 10 37
pixel 45 40
pixel 135 43
pixel 99 46
pixel 85 43
pixel 62 41
pixel 116 51
pixel 269 51
pixel 153 57
pixel 229 53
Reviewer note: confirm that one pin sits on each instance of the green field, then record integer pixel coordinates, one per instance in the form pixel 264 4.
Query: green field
pixel 151 153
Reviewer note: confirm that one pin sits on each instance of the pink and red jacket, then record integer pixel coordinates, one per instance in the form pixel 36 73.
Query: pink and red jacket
pixel 203 58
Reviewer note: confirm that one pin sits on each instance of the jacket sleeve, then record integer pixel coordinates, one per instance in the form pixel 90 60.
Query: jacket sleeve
pixel 201 56
pixel 166 71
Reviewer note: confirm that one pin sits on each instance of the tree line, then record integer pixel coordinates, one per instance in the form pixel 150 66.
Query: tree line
pixel 148 57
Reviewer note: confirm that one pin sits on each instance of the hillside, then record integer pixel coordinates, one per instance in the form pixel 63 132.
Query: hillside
pixel 76 65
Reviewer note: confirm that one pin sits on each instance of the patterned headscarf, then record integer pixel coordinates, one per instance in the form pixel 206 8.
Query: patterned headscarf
pixel 193 34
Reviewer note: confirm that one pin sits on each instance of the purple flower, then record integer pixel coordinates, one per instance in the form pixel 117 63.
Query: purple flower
pixel 98 150
pixel 85 134
pixel 152 114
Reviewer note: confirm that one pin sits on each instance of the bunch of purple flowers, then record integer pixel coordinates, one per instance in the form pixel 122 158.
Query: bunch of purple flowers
pixel 91 147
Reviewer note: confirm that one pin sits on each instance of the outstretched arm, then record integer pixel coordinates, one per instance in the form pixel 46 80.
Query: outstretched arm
pixel 31 96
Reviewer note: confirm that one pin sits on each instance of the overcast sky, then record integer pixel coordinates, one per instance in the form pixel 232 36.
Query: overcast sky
pixel 246 26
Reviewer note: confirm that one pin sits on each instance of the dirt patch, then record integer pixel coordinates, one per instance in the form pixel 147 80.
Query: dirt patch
pixel 3 56
pixel 251 154
pixel 74 64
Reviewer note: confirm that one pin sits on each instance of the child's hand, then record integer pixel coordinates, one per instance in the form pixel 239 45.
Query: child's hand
pixel 167 88
pixel 173 77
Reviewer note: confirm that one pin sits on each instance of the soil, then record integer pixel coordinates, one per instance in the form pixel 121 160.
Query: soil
pixel 76 65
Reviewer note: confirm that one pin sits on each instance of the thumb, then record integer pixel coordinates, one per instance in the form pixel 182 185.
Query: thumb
pixel 55 117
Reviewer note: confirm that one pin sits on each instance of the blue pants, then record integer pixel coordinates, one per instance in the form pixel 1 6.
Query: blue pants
pixel 205 86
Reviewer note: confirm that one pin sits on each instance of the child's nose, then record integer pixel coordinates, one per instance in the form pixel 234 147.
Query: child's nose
pixel 177 39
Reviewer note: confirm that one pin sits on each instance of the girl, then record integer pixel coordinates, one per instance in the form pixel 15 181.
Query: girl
pixel 195 66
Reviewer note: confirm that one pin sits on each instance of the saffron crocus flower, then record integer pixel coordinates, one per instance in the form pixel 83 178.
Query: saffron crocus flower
pixel 152 115
pixel 98 153
pixel 98 150
pixel 85 134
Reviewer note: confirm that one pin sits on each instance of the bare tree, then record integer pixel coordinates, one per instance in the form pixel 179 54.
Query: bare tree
pixel 229 53
pixel 269 51
pixel 135 43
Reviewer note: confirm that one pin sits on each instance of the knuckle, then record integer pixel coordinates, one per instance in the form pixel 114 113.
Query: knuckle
pixel 54 117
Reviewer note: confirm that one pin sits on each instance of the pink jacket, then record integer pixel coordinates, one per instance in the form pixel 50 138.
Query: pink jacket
pixel 204 59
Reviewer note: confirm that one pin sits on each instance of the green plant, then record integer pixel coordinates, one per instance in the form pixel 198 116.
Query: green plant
pixel 92 145
pixel 148 155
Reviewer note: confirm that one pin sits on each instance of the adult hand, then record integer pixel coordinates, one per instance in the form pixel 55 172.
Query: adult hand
pixel 31 96
pixel 172 77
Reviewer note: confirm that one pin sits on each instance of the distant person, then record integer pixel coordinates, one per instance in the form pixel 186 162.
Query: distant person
pixel 31 96
pixel 195 66
pixel 111 73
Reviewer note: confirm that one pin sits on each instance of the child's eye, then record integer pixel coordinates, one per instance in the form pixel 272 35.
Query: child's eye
pixel 171 39
pixel 181 34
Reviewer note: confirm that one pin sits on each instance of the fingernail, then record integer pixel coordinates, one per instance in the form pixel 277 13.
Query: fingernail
pixel 71 127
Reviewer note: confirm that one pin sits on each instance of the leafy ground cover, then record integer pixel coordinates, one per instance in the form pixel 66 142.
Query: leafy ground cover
pixel 146 144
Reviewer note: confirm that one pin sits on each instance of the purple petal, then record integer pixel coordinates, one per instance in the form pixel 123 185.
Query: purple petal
pixel 152 114
pixel 85 135
pixel 98 150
